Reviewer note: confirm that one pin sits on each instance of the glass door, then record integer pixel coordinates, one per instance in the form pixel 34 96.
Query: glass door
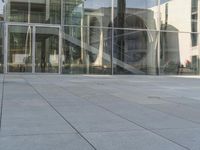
pixel 33 49
pixel 47 50
pixel 19 48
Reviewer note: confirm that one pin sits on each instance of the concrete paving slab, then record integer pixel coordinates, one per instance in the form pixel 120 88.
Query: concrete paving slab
pixel 89 118
pixel 181 100
pixel 44 142
pixel 15 91
pixel 148 118
pixel 137 140
pixel 182 111
pixel 69 101
pixel 111 112
pixel 187 137
pixel 31 117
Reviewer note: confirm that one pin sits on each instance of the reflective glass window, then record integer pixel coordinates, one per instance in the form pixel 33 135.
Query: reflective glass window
pixel 138 14
pixel 72 12
pixel 177 15
pixel 17 11
pixel 86 50
pixel 179 55
pixel 45 11
pixel 194 5
pixel 87 13
pixel 34 11
pixel 135 52
pixel 2 9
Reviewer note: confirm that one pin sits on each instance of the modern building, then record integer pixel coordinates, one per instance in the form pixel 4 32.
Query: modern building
pixel 155 37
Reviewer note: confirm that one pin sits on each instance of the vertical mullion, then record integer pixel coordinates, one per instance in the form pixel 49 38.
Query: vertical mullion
pixel 62 14
pixel 198 37
pixel 29 11
pixel 33 49
pixel 158 38
pixel 6 48
pixel 112 48
pixel 60 37
pixel 60 50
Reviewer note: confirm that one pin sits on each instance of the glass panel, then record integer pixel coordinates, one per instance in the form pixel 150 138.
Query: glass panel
pixel 138 14
pixel 2 9
pixel 97 13
pixel 45 11
pixel 72 12
pixel 194 5
pixel 47 50
pixel 135 52
pixel 17 11
pixel 38 12
pixel 87 13
pixel 1 46
pixel 179 53
pixel 177 15
pixel 86 50
pixel 34 11
pixel 19 49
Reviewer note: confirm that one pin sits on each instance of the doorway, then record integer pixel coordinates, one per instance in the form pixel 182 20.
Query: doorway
pixel 47 50
pixel 33 49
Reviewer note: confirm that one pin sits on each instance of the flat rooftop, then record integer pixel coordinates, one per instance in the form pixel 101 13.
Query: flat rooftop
pixel 60 112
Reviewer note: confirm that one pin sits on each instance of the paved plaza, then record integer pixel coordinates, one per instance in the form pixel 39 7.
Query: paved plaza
pixel 60 112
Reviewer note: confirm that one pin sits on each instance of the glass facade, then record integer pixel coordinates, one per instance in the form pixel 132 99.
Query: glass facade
pixel 147 37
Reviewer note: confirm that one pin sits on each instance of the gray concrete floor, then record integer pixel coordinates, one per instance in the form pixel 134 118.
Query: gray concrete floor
pixel 57 112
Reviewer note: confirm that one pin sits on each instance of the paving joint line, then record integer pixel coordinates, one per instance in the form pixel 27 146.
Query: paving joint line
pixel 170 114
pixel 147 129
pixel 164 99
pixel 39 134
pixel 73 127
pixel 84 132
pixel 175 116
pixel 183 104
pixel 2 100
pixel 124 118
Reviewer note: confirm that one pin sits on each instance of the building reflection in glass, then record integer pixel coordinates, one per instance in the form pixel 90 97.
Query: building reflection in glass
pixel 102 36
